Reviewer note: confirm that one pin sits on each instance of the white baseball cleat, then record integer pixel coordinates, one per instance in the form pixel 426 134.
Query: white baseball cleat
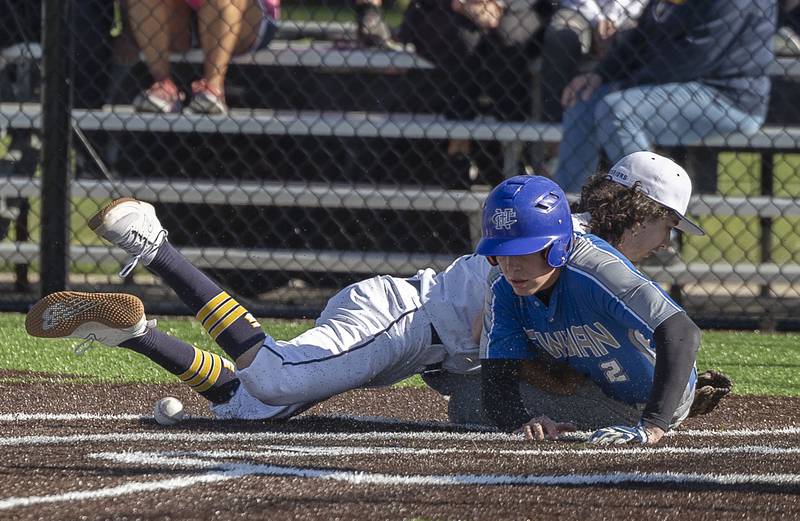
pixel 108 318
pixel 133 226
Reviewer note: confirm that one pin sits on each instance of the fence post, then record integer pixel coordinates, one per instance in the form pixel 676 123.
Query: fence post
pixel 56 111
pixel 767 322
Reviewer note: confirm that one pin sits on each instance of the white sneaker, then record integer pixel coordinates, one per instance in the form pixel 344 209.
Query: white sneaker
pixel 133 226
pixel 108 318
pixel 207 100
pixel 161 97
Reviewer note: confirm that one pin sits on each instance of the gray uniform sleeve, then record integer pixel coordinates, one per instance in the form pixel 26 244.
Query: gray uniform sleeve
pixel 677 340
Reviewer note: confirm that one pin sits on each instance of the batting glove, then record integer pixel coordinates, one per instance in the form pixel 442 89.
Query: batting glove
pixel 619 435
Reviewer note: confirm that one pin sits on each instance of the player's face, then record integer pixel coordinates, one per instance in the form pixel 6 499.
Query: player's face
pixel 528 274
pixel 640 243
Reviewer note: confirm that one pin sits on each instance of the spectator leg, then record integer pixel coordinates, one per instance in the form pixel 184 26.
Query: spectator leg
pixel 512 153
pixel 148 20
pixel 227 27
pixel 579 153
pixel 566 40
pixel 93 51
pixel 675 113
pixel 450 41
pixel 506 55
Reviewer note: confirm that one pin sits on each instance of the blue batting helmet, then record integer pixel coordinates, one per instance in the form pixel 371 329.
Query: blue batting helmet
pixel 526 214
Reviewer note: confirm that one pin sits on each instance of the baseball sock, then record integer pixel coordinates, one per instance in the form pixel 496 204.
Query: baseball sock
pixel 231 326
pixel 207 374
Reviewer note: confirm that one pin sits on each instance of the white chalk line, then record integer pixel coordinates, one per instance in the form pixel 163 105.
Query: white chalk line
pixel 359 477
pixel 227 471
pixel 122 490
pixel 293 451
pixel 21 417
pixel 336 436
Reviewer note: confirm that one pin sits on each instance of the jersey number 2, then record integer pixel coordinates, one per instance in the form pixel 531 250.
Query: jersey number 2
pixel 614 373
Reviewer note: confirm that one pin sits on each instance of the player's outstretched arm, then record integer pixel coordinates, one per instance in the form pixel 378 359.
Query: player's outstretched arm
pixel 677 340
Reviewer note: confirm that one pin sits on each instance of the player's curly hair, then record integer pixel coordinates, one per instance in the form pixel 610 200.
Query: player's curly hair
pixel 615 208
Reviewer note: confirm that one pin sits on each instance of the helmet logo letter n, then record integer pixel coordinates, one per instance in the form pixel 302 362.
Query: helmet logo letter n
pixel 503 218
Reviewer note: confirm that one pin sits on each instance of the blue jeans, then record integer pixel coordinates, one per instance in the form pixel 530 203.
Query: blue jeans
pixel 621 122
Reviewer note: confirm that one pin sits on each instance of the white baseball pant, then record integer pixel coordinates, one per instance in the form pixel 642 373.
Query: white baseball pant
pixel 371 334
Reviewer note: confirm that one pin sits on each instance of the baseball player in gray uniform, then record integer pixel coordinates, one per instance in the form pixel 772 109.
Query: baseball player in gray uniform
pixel 373 333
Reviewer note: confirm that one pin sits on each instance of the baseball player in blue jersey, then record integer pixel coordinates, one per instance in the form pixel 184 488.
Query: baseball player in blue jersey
pixel 572 299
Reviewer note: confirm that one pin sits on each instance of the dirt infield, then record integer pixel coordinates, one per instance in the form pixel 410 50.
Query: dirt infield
pixel 76 451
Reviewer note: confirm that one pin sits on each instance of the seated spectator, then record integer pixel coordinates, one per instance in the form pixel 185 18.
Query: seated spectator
pixel 481 46
pixel 687 71
pixel 225 28
pixel 578 28
pixel 372 29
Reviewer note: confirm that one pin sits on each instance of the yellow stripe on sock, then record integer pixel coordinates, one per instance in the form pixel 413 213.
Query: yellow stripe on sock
pixel 202 373
pixel 202 315
pixel 196 363
pixel 212 376
pixel 227 321
pixel 218 314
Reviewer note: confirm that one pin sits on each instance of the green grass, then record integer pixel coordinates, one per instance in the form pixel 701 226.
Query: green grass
pixel 736 239
pixel 21 352
pixel 760 364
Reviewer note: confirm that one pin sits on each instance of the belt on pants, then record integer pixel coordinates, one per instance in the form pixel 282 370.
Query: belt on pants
pixel 418 286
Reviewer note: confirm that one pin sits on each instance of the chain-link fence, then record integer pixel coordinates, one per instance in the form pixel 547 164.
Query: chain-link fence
pixel 291 149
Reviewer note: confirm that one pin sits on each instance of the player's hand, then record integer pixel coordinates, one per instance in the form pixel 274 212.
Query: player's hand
pixel 582 86
pixel 543 428
pixel 620 435
pixel 603 34
pixel 605 29
pixel 485 14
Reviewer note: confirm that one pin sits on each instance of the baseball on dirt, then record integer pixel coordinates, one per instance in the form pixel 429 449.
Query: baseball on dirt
pixel 169 411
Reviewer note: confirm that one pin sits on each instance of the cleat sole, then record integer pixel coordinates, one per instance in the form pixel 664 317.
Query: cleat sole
pixel 58 315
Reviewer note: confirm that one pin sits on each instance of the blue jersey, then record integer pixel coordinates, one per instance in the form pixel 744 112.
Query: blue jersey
pixel 600 320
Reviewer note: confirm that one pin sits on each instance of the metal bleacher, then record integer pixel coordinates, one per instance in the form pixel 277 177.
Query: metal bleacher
pixel 349 196
pixel 348 124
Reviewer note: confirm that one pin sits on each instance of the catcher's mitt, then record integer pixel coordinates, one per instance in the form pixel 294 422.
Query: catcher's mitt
pixel 712 386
